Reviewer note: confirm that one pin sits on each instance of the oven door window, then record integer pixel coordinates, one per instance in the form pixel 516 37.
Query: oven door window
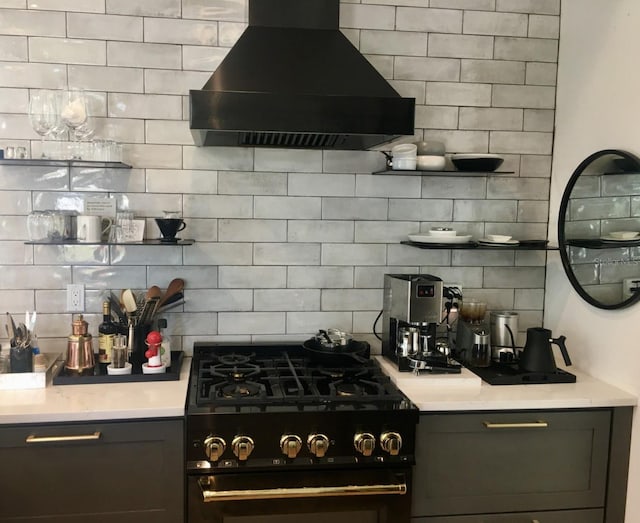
pixel 373 496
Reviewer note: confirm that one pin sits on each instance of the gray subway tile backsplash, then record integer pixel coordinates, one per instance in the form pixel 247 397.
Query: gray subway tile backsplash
pixel 287 241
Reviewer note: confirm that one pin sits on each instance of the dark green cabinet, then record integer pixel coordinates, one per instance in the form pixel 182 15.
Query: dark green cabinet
pixel 99 472
pixel 522 466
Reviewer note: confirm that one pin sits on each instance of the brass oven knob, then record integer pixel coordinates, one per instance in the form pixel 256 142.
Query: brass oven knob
pixel 391 442
pixel 290 445
pixel 242 447
pixel 318 444
pixel 364 443
pixel 214 447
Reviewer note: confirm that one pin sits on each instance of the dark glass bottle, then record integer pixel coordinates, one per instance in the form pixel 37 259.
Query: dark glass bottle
pixel 107 331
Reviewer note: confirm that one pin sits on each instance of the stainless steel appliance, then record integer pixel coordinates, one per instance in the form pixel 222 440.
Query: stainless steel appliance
pixel 504 332
pixel 412 310
pixel 277 434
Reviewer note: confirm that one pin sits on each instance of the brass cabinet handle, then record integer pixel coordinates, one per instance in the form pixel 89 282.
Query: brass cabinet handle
pixel 299 492
pixel 60 439
pixel 525 425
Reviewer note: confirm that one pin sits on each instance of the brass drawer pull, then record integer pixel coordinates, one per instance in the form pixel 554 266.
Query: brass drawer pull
pixel 299 492
pixel 525 425
pixel 61 439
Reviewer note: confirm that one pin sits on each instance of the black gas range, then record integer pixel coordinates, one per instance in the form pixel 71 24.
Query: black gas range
pixel 280 429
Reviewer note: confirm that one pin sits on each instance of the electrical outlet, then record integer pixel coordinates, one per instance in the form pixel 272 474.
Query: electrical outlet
pixel 630 286
pixel 452 291
pixel 75 297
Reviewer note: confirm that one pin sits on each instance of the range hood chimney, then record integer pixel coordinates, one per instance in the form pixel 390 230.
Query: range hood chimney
pixel 294 80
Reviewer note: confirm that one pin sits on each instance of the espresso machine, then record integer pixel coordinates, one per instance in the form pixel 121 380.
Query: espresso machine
pixel 412 310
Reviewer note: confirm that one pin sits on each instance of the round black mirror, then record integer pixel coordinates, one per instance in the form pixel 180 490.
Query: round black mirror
pixel 599 229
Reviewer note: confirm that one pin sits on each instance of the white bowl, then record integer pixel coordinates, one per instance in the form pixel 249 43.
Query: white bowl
pixel 442 231
pixel 404 164
pixel 404 150
pixel 113 371
pixel 430 162
pixel 623 235
pixel 498 238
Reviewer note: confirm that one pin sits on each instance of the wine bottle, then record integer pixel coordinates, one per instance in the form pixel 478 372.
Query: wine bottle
pixel 107 331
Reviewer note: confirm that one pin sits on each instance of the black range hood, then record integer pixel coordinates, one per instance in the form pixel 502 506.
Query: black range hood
pixel 294 80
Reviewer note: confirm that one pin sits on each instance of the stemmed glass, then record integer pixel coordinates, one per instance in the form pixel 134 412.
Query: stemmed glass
pixel 44 113
pixel 74 115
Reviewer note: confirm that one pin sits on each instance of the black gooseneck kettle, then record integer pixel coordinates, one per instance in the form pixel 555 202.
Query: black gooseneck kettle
pixel 537 355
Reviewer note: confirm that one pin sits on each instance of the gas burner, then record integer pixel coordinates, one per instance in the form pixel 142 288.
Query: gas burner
pixel 348 389
pixel 245 389
pixel 239 373
pixel 235 359
pixel 284 378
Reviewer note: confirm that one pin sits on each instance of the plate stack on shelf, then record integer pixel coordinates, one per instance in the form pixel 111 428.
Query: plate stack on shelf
pixel 440 235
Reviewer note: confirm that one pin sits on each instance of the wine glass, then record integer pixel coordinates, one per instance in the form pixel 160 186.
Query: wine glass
pixel 44 113
pixel 74 115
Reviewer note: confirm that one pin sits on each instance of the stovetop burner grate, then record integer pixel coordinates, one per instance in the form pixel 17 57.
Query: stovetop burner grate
pixel 283 378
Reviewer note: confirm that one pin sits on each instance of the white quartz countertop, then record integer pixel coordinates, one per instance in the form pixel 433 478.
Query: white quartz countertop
pixel 163 399
pixel 463 392
pixel 97 401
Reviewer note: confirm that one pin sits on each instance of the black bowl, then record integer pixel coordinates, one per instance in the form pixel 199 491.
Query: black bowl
pixel 480 163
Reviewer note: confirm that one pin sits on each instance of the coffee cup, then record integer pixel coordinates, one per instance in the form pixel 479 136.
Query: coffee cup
pixel 169 227
pixel 89 228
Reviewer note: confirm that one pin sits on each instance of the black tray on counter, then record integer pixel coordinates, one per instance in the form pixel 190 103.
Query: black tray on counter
pixel 510 374
pixel 62 377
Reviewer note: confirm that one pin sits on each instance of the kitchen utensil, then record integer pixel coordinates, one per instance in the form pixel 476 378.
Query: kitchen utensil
pixel 11 329
pixel 176 285
pixel 154 292
pixel 504 331
pixel 169 227
pixel 335 347
pixel 473 310
pixel 90 228
pixel 80 358
pixel 537 355
pixel 480 354
pixel 129 301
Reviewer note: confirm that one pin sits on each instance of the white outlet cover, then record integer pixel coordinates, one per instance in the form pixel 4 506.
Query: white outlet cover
pixel 75 297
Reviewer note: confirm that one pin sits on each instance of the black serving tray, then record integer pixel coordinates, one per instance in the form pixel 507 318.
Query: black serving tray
pixel 510 374
pixel 62 377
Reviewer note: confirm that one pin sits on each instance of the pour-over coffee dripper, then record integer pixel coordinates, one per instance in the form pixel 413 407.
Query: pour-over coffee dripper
pixel 169 227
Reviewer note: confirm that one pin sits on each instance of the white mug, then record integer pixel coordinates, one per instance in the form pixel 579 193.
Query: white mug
pixel 89 228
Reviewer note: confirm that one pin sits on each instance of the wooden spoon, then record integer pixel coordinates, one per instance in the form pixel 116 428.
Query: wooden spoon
pixel 176 285
pixel 153 292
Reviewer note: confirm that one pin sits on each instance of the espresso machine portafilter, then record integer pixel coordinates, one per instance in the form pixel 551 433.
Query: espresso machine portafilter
pixel 412 309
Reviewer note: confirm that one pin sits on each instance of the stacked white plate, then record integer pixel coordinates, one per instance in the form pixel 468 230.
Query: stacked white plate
pixel 440 235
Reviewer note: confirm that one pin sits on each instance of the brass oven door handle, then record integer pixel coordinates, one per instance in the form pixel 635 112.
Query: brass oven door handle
pixel 299 492
pixel 525 425
pixel 62 439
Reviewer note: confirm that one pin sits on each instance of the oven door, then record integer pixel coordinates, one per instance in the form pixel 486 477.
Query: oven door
pixel 342 496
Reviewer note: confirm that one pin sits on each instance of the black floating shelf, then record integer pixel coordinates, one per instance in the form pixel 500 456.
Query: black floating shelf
pixel 126 244
pixel 524 245
pixel 588 243
pixel 417 172
pixel 40 162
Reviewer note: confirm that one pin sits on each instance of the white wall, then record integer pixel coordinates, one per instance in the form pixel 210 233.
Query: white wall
pixel 598 105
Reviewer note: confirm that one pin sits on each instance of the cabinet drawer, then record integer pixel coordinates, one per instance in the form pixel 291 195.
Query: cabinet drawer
pixel 97 472
pixel 481 463
pixel 561 516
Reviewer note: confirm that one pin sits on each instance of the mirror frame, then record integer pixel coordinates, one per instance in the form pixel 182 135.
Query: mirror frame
pixel 561 225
